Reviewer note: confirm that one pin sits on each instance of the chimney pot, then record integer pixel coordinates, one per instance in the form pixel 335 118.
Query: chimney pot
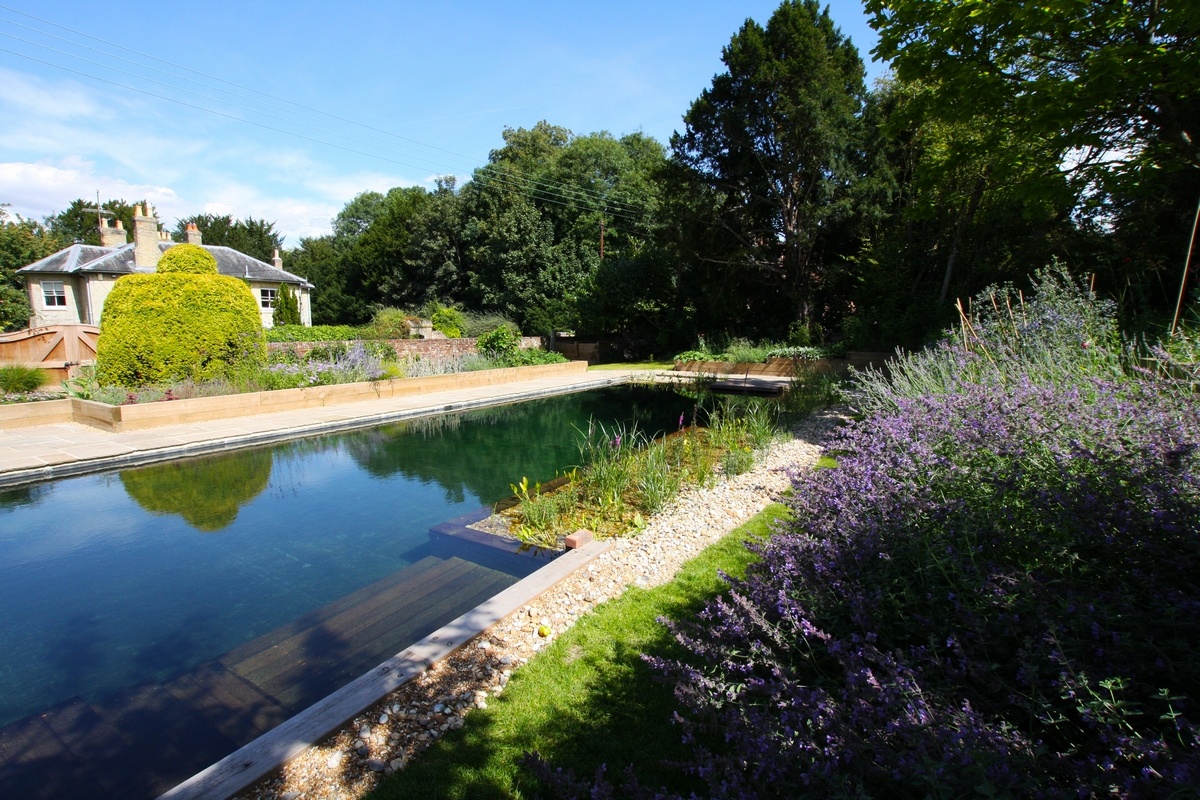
pixel 193 234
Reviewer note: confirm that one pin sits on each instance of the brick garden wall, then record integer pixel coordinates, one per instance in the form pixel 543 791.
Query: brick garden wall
pixel 425 348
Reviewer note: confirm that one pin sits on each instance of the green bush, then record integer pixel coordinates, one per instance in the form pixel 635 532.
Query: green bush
pixel 388 323
pixel 447 319
pixel 501 343
pixel 287 306
pixel 18 379
pixel 163 327
pixel 187 259
pixel 14 308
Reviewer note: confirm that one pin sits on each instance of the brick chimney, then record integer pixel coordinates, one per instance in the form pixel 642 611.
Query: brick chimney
pixel 145 238
pixel 112 235
pixel 276 260
pixel 193 234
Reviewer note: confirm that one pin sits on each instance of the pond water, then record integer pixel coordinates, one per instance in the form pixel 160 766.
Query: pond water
pixel 116 579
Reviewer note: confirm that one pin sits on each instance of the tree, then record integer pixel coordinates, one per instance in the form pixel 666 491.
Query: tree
pixel 78 225
pixel 1116 82
pixel 254 237
pixel 770 149
pixel 318 261
pixel 287 306
pixel 22 242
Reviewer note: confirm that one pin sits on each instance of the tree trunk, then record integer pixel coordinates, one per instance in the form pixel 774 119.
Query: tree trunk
pixel 963 221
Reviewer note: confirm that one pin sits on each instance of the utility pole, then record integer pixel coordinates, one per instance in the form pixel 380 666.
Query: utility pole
pixel 601 237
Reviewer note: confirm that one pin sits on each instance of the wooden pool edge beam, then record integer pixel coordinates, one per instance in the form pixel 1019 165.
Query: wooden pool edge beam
pixel 273 749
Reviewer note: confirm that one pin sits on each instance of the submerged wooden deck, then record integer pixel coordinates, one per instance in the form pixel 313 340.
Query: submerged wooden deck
pixel 145 740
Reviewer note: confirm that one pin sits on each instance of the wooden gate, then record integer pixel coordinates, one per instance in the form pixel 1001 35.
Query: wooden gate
pixel 58 349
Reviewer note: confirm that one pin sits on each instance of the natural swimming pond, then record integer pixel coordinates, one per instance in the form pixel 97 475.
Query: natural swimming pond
pixel 280 572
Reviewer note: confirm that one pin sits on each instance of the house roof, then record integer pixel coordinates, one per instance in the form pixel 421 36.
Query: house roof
pixel 90 259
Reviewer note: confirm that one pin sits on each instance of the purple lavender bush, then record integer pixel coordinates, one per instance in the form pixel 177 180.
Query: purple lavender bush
pixel 996 593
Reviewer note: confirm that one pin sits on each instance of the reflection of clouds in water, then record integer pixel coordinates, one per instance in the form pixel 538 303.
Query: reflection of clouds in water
pixel 70 514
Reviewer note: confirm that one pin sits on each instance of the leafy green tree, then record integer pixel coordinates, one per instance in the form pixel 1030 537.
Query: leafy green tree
pixel 770 150
pixel 373 262
pixel 287 306
pixel 78 225
pixel 254 237
pixel 1117 82
pixel 22 242
pixel 434 256
pixel 318 260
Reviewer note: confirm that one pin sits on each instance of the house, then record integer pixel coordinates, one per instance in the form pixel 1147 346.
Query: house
pixel 70 286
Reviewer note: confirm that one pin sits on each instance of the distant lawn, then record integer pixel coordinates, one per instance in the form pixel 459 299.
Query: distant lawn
pixel 632 365
pixel 588 699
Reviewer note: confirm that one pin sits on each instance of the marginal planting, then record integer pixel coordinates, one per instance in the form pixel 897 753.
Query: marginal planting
pixel 624 475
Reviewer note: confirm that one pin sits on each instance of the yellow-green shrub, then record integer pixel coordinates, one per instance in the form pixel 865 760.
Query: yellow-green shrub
pixel 191 259
pixel 164 327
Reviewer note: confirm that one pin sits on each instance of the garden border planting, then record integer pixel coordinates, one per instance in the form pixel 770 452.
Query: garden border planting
pixel 202 409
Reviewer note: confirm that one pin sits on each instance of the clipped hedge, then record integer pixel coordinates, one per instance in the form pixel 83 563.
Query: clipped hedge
pixel 189 259
pixel 173 326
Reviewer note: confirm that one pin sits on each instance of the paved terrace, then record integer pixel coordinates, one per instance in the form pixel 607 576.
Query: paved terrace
pixel 56 450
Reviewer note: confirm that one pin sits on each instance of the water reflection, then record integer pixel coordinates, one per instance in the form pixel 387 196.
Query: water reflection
pixel 207 492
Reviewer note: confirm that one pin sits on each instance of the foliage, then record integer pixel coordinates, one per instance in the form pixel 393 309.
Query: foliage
pixel 287 306
pixel 315 333
pixel 325 366
pixel 477 323
pixel 20 379
pixel 78 224
pixel 1113 81
pixel 447 319
pixel 975 586
pixel 1059 335
pixel 624 476
pixel 500 344
pixel 254 237
pixel 22 242
pixel 388 323
pixel 771 148
pixel 168 326
pixel 187 259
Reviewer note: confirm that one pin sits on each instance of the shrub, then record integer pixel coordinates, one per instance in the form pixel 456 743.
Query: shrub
pixel 476 323
pixel 14 308
pixel 388 323
pixel 317 333
pixel 163 327
pixel 287 306
pixel 19 379
pixel 447 319
pixel 188 259
pixel 500 343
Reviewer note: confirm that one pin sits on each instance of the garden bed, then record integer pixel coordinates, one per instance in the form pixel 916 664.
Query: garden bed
pixel 787 367
pixel 202 409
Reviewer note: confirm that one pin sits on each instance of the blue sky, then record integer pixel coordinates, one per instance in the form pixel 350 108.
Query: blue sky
pixel 285 111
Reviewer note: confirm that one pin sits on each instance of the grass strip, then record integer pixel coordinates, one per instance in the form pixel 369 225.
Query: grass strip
pixel 588 699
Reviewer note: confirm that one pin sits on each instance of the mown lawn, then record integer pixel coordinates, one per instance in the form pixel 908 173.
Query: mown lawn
pixel 589 699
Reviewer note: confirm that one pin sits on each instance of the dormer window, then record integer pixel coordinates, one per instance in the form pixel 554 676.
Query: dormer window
pixel 53 294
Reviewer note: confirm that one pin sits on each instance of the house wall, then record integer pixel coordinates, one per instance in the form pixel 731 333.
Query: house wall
pixel 268 314
pixel 98 289
pixel 54 315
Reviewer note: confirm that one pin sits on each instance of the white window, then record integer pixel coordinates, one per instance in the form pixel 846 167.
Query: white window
pixel 268 297
pixel 53 293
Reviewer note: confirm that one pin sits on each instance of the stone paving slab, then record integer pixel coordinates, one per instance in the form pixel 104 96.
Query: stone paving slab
pixel 56 450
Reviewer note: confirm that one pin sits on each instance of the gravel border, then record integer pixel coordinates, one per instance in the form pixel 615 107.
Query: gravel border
pixel 349 764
